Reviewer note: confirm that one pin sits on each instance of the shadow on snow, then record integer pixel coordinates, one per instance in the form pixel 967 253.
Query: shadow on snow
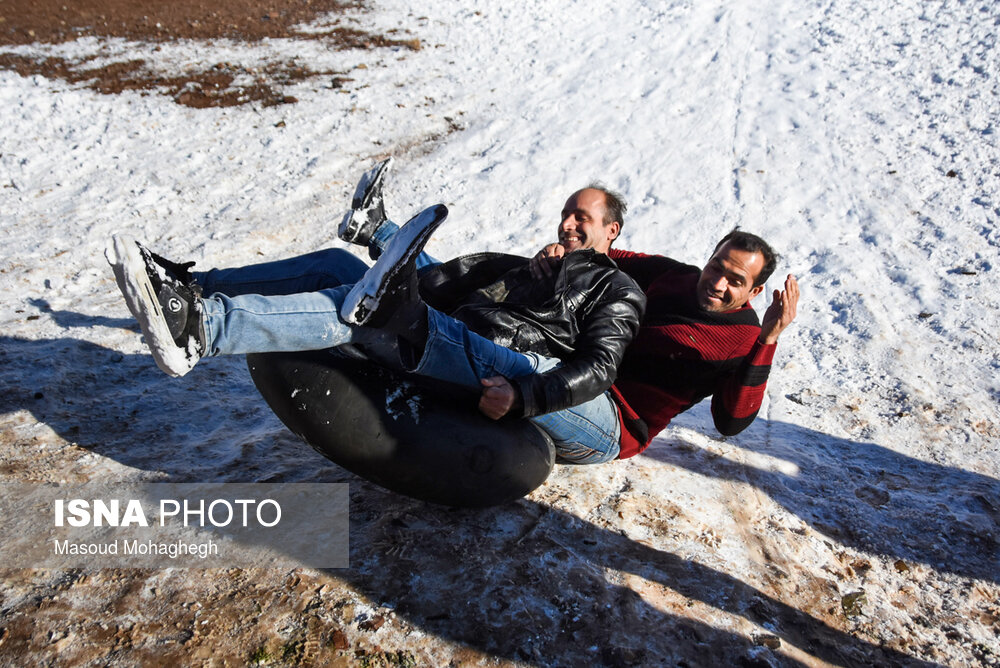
pixel 865 496
pixel 525 581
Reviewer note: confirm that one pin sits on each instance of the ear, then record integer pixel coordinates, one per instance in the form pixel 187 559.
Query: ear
pixel 755 290
pixel 614 229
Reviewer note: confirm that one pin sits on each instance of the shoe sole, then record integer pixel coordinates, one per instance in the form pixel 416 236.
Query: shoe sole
pixel 370 181
pixel 363 299
pixel 130 273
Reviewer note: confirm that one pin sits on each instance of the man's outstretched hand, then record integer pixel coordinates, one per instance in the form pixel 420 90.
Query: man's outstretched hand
pixel 781 312
pixel 498 397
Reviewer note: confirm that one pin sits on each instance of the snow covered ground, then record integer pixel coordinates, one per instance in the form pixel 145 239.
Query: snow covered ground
pixel 857 521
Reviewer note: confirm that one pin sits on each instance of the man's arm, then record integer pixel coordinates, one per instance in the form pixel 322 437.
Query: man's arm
pixel 604 334
pixel 737 400
pixel 609 326
pixel 643 268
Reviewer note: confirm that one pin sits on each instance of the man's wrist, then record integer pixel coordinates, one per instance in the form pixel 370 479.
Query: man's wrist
pixel 517 406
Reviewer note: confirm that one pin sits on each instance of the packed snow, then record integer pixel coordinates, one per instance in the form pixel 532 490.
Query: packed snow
pixel 856 521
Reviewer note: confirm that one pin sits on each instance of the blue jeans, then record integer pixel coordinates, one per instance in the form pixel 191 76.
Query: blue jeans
pixel 294 304
pixel 283 306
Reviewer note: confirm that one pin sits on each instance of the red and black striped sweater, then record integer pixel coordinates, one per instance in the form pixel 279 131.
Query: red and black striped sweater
pixel 683 354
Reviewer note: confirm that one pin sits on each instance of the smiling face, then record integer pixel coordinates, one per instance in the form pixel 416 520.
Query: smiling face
pixel 583 223
pixel 726 282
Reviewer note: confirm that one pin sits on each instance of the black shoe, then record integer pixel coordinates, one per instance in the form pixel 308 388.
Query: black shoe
pixel 178 272
pixel 402 312
pixel 380 291
pixel 167 307
pixel 367 209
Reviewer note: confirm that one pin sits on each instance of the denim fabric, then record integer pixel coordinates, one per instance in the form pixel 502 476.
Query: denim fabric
pixel 587 433
pixel 455 354
pixel 386 231
pixel 281 306
pixel 305 273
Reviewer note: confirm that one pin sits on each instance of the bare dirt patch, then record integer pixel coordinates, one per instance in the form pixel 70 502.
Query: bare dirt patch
pixel 26 22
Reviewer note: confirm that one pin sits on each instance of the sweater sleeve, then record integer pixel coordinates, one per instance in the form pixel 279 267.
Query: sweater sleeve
pixel 644 269
pixel 738 397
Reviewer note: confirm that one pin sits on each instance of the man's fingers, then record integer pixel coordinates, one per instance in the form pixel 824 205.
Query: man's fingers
pixel 488 409
pixel 553 251
pixel 792 292
pixel 497 397
pixel 541 263
pixel 539 267
pixel 792 286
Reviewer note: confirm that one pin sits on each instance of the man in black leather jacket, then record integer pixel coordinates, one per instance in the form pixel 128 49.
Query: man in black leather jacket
pixel 572 328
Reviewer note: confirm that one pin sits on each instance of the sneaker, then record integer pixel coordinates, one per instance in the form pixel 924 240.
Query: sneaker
pixel 391 274
pixel 166 306
pixel 367 209
pixel 179 272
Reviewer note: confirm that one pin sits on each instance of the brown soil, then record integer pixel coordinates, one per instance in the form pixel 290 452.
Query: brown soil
pixel 54 21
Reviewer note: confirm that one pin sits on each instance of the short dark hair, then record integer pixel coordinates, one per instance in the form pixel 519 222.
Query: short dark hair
pixel 751 243
pixel 614 204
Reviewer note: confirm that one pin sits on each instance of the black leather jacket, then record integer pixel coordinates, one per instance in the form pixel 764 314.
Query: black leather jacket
pixel 585 315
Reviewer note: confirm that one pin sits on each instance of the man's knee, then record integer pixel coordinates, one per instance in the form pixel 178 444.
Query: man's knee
pixel 340 264
pixel 339 256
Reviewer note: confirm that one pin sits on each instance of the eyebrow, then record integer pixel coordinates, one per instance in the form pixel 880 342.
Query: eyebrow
pixel 745 277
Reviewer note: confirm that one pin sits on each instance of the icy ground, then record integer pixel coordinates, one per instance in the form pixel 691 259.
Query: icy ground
pixel 857 521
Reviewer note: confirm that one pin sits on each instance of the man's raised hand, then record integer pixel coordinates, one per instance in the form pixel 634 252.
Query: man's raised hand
pixel 781 312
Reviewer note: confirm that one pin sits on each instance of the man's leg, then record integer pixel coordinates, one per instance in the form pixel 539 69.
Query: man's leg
pixel 305 273
pixel 181 326
pixel 384 234
pixel 588 433
pixel 454 353
pixel 282 306
pixel 254 323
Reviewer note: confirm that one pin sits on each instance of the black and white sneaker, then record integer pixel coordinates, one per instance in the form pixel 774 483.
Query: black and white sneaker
pixel 366 302
pixel 367 209
pixel 166 305
pixel 180 272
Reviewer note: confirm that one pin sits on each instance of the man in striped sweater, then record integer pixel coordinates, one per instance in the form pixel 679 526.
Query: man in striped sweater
pixel 699 337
